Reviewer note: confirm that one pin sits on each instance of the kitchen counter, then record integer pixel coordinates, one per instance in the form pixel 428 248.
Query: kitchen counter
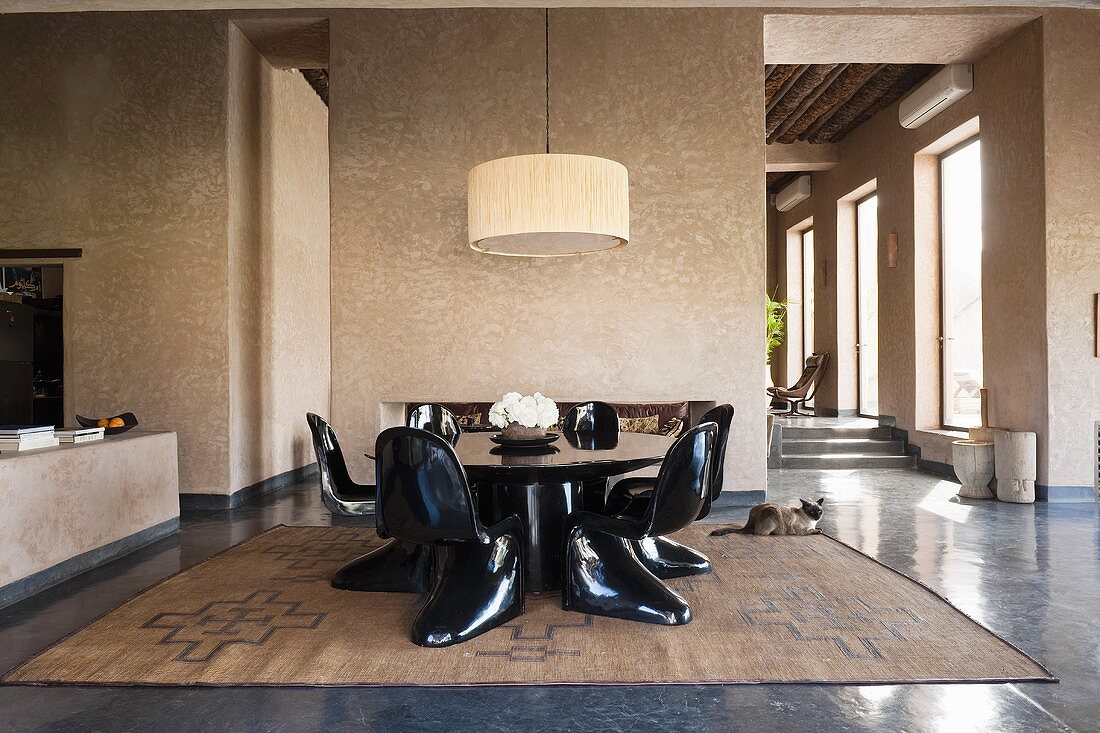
pixel 66 509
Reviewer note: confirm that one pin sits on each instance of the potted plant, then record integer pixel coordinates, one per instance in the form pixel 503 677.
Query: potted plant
pixel 775 322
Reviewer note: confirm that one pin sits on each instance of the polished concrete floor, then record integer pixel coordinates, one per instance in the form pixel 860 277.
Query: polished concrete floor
pixel 1029 573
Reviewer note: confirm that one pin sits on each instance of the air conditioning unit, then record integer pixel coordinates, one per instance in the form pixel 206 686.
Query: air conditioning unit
pixel 793 194
pixel 948 85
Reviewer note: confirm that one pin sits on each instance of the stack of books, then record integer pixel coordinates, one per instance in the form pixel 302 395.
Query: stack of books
pixel 16 438
pixel 79 435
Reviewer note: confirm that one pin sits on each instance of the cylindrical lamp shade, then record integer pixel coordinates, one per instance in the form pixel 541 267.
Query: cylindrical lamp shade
pixel 548 205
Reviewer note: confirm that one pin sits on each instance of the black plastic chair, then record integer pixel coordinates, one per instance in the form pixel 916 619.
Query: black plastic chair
pixel 435 419
pixel 663 557
pixel 603 575
pixel 592 417
pixel 395 567
pixel 595 424
pixel 424 498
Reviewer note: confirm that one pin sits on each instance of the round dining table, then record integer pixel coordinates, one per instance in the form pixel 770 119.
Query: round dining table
pixel 542 486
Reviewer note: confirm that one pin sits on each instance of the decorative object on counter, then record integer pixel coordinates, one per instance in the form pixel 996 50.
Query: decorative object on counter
pixel 18 438
pixel 523 417
pixel 79 435
pixel 973 462
pixel 111 425
pixel 983 433
pixel 1014 456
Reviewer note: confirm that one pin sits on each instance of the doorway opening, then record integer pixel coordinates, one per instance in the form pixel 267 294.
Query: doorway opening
pixel 32 345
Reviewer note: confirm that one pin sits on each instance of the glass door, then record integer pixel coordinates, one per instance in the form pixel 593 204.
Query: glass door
pixel 867 304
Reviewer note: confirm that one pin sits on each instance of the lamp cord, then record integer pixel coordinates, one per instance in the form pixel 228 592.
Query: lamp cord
pixel 547 81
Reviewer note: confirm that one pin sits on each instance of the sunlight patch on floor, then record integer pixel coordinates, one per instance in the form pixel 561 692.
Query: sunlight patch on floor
pixel 938 501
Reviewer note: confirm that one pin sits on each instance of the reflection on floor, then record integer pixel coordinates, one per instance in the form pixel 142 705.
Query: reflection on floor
pixel 1031 573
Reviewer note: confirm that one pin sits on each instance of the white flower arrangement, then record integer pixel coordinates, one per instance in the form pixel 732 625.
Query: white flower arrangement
pixel 528 411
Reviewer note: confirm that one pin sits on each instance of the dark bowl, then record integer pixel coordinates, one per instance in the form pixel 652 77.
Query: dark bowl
pixel 92 422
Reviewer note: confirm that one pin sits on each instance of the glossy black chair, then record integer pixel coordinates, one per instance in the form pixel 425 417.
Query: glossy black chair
pixel 595 424
pixel 424 498
pixel 435 419
pixel 603 575
pixel 395 567
pixel 664 557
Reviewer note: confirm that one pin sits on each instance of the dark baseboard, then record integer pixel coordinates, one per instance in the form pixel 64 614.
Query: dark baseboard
pixel 741 498
pixel 28 586
pixel 229 501
pixel 940 469
pixel 1058 494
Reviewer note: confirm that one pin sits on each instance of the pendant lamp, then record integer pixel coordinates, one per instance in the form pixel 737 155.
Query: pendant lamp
pixel 548 204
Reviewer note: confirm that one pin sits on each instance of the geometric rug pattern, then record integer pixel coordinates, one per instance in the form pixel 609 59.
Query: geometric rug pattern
pixel 775 609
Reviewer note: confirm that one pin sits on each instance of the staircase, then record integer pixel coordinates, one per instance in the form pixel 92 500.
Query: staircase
pixel 842 447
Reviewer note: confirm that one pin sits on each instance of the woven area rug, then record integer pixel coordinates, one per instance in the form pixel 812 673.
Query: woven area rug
pixel 775 609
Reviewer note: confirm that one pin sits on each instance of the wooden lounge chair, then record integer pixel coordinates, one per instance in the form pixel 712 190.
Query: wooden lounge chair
pixel 806 387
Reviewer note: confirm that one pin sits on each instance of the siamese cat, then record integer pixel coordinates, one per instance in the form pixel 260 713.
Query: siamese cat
pixel 777 519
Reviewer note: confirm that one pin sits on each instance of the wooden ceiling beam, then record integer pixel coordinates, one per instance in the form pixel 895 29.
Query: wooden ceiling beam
pixel 874 88
pixel 792 79
pixel 786 103
pixel 869 70
pixel 807 102
pixel 849 83
pixel 775 81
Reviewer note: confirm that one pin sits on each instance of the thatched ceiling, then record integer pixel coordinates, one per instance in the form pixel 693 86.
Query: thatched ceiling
pixel 822 103
pixel 318 79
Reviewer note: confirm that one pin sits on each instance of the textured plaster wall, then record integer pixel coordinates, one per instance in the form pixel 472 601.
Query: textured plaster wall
pixel 112 138
pixel 420 97
pixel 58 503
pixel 278 264
pixel 1008 99
pixel 204 280
pixel 1071 77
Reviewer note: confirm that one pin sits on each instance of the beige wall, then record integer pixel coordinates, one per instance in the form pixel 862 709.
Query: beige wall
pixel 114 138
pixel 1071 77
pixel 278 264
pixel 420 97
pixel 1022 310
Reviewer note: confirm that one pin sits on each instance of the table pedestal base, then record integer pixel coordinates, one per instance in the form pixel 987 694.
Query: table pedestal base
pixel 542 509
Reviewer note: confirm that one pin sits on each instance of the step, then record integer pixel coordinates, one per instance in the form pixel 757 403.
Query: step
pixel 843 445
pixel 801 432
pixel 846 460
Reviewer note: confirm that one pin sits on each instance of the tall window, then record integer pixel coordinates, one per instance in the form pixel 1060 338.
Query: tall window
pixel 867 303
pixel 807 293
pixel 961 258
